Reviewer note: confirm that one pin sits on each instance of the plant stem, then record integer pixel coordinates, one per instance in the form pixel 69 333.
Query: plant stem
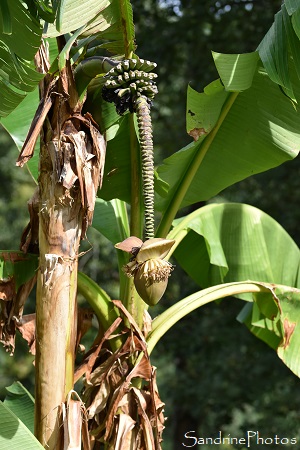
pixel 100 303
pixel 183 186
pixel 59 236
pixel 124 232
pixel 98 300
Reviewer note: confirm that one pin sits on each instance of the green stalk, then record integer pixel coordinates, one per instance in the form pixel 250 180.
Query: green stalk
pixel 172 315
pixel 183 186
pixel 100 303
pixel 121 215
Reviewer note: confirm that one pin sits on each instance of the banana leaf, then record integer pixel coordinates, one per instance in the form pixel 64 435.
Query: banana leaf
pixel 16 267
pixel 20 38
pixel 259 131
pixel 21 403
pixel 283 332
pixel 14 435
pixel 108 20
pixel 280 43
pixel 222 243
pixel 275 315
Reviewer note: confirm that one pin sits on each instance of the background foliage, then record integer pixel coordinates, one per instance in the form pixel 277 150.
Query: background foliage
pixel 213 374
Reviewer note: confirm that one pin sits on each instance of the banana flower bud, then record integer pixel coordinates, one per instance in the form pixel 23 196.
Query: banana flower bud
pixel 148 266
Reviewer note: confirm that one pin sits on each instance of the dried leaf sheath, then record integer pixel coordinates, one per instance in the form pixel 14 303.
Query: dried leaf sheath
pixel 146 143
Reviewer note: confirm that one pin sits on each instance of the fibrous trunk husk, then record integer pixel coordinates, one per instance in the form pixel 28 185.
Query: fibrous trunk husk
pixel 70 171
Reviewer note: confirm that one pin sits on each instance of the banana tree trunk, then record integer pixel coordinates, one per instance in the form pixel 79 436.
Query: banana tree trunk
pixel 56 318
pixel 71 166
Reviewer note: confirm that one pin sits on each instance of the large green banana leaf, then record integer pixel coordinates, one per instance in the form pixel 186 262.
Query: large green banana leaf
pixel 281 330
pixel 20 38
pixel 17 420
pixel 260 131
pixel 21 35
pixel 281 41
pixel 235 242
pixel 275 319
pixel 231 242
pixel 109 20
pixel 14 435
pixel 16 267
pixel 21 403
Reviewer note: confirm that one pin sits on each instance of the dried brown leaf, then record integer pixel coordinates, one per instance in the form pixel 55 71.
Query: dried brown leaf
pixel 26 326
pixel 144 417
pixel 158 407
pixel 141 370
pixel 35 128
pixel 113 407
pixel 124 433
pixel 100 400
pixel 132 322
pixel 86 366
pixel 11 313
pixel 7 289
pixel 84 322
pixel 30 235
pixel 74 416
pixel 147 323
pixel 7 328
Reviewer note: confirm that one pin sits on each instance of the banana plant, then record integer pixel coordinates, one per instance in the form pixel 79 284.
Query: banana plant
pixel 77 99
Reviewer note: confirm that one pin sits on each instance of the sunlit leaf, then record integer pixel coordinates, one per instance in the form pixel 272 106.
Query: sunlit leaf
pixel 203 109
pixel 14 434
pixel 293 39
pixel 235 242
pixel 17 265
pixel 18 45
pixel 292 6
pixel 111 20
pixel 236 71
pixel 73 14
pixel 274 51
pixel 282 332
pixel 21 403
pixel 260 131
pixel 263 328
pixel 110 219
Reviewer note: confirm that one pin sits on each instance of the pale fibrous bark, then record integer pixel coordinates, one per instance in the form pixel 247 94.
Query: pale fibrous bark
pixel 71 165
pixel 59 236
